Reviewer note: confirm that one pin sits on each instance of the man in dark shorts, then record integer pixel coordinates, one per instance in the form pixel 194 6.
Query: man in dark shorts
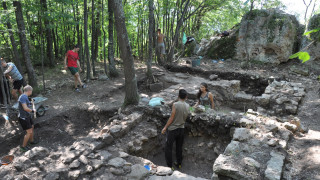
pixel 73 65
pixel 13 73
pixel 25 118
pixel 175 126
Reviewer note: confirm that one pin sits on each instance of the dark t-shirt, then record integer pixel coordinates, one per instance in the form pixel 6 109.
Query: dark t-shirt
pixel 23 99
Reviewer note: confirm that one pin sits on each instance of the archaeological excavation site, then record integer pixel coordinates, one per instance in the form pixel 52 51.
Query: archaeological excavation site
pixel 265 124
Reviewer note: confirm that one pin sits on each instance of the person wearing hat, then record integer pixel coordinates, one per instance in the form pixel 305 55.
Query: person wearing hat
pixel 11 71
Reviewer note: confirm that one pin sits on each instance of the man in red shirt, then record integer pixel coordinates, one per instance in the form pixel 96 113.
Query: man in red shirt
pixel 72 58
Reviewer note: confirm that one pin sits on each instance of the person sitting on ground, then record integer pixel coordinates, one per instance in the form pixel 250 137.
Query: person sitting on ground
pixel 73 65
pixel 14 75
pixel 205 98
pixel 175 126
pixel 25 118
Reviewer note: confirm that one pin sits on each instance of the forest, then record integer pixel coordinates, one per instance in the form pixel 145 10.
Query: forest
pixel 39 33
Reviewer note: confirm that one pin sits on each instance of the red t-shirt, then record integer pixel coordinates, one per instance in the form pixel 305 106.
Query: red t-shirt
pixel 72 58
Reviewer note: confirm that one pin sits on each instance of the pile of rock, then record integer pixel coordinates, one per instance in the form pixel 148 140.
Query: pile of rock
pixel 257 150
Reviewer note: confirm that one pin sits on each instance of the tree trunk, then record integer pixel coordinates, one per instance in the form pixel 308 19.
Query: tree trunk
pixel 112 66
pixel 93 34
pixel 151 35
pixel 104 42
pixel 96 36
pixel 86 39
pixel 48 34
pixel 24 44
pixel 131 88
pixel 16 57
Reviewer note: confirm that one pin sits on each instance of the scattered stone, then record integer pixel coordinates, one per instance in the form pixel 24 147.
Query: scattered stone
pixel 103 77
pixel 21 163
pixel 273 142
pixel 213 77
pixel 74 174
pixel 274 166
pixel 37 153
pixel 138 172
pixel 96 164
pixel 293 128
pixel 105 155
pixel 107 139
pixel 242 134
pixel 88 169
pixel 232 148
pixel 116 162
pixel 83 159
pixel 164 171
pixel 75 164
pixel 52 176
pixel 123 154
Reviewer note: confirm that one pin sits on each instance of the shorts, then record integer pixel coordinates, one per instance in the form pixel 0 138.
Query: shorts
pixel 18 84
pixel 73 70
pixel 26 123
pixel 162 48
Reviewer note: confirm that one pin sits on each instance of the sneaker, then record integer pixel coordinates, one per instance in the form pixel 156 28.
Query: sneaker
pixel 177 165
pixel 77 90
pixel 32 143
pixel 24 149
pixel 84 86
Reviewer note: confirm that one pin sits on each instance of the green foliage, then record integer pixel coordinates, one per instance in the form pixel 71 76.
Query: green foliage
pixel 304 56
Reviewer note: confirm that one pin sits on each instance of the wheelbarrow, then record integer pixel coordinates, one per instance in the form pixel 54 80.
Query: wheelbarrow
pixel 38 103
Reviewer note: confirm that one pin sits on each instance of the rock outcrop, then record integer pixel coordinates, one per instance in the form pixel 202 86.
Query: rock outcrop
pixel 267 35
pixel 312 49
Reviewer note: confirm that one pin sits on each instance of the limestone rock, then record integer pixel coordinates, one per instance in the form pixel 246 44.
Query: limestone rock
pixel 290 126
pixel 104 155
pixel 116 162
pixel 213 77
pixel 74 174
pixel 52 176
pixel 251 162
pixel 313 49
pixel 114 130
pixel 103 77
pixel 225 166
pixel 242 134
pixel 75 164
pixel 107 138
pixel 37 152
pixel 138 172
pixel 272 36
pixel 21 163
pixel 163 171
pixel 274 166
pixel 83 159
pixel 232 148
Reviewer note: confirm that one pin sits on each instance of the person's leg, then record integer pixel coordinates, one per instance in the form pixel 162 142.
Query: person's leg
pixel 26 137
pixel 168 147
pixel 79 79
pixel 76 81
pixel 179 143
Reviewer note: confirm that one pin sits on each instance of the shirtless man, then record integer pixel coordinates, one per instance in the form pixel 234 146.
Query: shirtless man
pixel 162 48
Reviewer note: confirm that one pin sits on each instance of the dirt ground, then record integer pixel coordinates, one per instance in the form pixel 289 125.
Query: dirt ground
pixel 67 117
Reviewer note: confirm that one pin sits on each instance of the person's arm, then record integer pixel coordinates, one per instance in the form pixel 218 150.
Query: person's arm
pixel 8 70
pixel 65 61
pixel 78 63
pixel 170 119
pixel 211 99
pixel 198 102
pixel 25 107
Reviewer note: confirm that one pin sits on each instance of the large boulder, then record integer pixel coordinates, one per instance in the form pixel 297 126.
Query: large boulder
pixel 269 36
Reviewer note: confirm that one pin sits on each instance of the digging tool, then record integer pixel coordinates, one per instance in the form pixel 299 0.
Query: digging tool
pixel 6 160
pixel 33 107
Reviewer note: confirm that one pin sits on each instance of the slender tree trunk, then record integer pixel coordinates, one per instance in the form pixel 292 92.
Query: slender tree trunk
pixel 112 66
pixel 24 44
pixel 131 88
pixel 48 34
pixel 96 36
pixel 93 34
pixel 104 42
pixel 151 35
pixel 86 39
pixel 16 57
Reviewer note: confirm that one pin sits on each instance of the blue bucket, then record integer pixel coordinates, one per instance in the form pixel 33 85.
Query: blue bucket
pixel 196 62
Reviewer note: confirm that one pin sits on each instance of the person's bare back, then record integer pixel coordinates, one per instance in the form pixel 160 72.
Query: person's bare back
pixel 160 38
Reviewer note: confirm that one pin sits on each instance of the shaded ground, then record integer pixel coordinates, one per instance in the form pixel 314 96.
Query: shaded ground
pixel 68 116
